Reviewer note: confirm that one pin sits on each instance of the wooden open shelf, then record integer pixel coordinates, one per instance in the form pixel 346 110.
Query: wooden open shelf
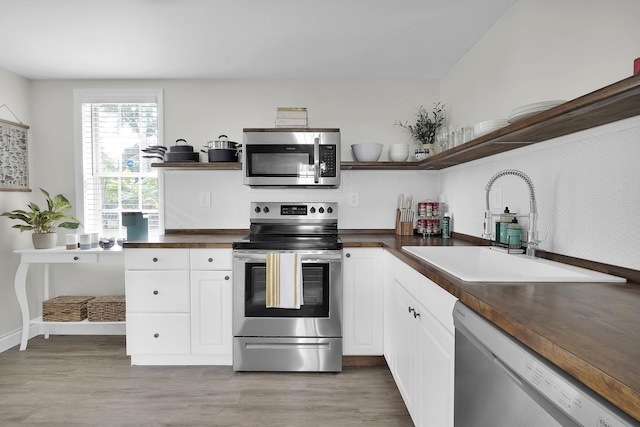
pixel 203 166
pixel 615 102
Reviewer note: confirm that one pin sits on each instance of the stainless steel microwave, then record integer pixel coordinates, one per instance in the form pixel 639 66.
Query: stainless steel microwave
pixel 287 157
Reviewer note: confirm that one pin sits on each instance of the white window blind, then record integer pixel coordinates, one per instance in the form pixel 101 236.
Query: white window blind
pixel 114 128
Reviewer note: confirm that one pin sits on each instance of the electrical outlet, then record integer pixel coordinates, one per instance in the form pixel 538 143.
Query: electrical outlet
pixel 205 200
pixel 354 200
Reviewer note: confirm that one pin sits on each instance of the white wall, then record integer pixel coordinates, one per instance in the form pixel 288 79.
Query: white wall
pixel 377 191
pixel 587 183
pixel 14 92
pixel 543 50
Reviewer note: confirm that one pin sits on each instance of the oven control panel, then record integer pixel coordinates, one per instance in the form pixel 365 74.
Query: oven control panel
pixel 291 211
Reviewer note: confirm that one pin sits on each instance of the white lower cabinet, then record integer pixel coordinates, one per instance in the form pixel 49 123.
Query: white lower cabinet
pixel 363 304
pixel 211 331
pixel 388 309
pixel 422 353
pixel 405 350
pixel 178 306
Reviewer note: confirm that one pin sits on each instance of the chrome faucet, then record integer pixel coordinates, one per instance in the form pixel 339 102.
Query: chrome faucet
pixel 532 233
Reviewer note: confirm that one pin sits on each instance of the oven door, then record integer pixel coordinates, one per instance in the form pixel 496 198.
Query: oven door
pixel 321 314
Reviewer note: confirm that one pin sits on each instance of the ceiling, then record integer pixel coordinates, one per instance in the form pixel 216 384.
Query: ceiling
pixel 240 39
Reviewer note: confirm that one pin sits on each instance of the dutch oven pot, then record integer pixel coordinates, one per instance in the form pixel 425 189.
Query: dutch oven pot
pixel 181 148
pixel 222 143
pixel 181 153
pixel 222 150
pixel 182 156
pixel 222 155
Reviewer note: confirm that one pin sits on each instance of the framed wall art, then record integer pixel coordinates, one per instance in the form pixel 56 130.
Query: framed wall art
pixel 14 159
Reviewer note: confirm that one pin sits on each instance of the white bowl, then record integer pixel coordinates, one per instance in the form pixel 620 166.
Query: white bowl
pixel 399 152
pixel 366 152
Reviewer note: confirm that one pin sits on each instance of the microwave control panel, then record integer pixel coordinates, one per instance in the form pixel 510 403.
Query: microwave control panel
pixel 328 159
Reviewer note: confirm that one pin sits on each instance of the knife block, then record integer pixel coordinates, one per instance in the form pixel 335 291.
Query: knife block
pixel 403 228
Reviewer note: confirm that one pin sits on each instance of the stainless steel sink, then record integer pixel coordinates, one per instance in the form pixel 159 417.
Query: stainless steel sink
pixel 483 264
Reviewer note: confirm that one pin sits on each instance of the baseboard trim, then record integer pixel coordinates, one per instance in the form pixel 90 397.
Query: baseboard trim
pixel 12 339
pixel 363 361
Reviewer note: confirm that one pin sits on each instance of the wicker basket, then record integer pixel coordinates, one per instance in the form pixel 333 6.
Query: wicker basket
pixel 65 308
pixel 107 309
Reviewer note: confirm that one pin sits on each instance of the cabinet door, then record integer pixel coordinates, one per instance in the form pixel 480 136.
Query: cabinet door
pixel 363 301
pixel 435 369
pixel 211 315
pixel 388 300
pixel 404 333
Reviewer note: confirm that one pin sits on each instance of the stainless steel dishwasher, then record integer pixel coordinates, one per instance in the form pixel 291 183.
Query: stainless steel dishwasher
pixel 501 383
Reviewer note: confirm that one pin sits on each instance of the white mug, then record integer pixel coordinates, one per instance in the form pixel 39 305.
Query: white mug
pixel 85 241
pixel 71 241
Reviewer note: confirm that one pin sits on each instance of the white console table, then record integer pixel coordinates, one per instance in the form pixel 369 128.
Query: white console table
pixel 60 255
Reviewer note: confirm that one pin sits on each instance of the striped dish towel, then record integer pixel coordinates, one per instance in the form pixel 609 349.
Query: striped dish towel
pixel 284 280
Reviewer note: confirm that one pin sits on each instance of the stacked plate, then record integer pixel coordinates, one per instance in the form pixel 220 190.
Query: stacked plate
pixel 531 109
pixel 484 128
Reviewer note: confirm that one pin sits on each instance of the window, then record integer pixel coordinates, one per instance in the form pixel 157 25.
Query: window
pixel 112 177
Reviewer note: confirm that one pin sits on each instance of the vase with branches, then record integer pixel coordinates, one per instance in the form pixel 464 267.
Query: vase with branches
pixel 426 126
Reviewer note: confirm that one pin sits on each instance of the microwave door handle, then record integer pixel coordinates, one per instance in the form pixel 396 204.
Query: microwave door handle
pixel 316 160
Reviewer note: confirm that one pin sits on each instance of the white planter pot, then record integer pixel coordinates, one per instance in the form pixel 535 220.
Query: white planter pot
pixel 44 240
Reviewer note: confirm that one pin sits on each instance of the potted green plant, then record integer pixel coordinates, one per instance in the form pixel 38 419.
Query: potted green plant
pixel 425 129
pixel 45 222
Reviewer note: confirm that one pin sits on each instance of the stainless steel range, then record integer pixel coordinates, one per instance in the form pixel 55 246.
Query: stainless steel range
pixel 267 337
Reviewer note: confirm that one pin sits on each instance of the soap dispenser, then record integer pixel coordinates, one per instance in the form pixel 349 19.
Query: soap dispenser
pixel 501 226
pixel 514 234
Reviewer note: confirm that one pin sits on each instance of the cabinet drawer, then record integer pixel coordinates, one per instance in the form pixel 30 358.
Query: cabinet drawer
pixel 157 291
pixel 74 256
pixel 210 259
pixel 157 259
pixel 158 334
pixel 406 276
pixel 437 301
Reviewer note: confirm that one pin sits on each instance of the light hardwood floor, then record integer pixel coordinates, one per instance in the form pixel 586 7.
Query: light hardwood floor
pixel 88 381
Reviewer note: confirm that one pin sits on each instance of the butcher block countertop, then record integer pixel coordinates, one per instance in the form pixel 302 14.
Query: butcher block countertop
pixel 590 330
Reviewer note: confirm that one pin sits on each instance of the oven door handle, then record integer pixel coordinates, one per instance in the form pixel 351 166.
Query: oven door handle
pixel 304 261
pixel 316 160
pixel 286 345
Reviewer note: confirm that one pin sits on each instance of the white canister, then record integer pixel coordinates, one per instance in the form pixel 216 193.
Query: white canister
pixel 85 241
pixel 71 241
pixel 95 238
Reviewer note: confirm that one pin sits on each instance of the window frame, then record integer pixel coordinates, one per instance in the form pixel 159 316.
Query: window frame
pixel 81 96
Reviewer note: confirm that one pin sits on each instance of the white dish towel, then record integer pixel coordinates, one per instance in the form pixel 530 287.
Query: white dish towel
pixel 284 280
